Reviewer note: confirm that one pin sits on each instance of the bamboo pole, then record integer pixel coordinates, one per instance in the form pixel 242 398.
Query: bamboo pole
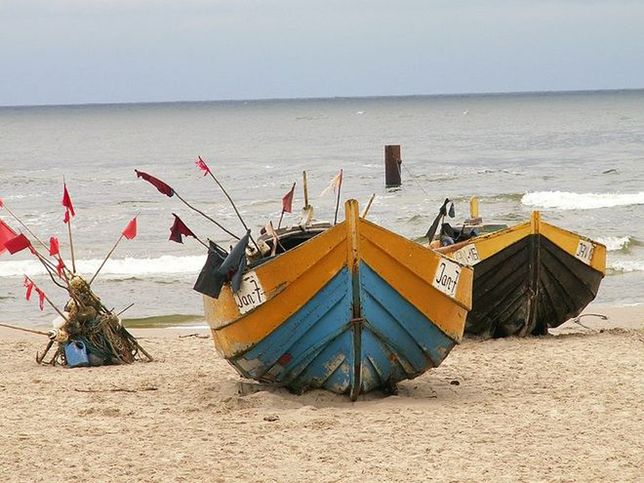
pixel 50 302
pixel 106 258
pixel 206 216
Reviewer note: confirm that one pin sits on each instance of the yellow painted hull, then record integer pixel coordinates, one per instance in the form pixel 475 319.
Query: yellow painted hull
pixel 353 309
pixel 529 277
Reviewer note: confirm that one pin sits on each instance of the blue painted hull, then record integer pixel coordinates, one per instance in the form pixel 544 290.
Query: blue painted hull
pixel 322 346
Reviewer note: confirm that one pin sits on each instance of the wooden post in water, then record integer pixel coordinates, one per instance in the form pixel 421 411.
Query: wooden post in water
pixel 392 165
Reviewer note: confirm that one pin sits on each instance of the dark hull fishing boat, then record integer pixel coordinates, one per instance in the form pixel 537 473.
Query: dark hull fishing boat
pixel 528 277
pixel 350 308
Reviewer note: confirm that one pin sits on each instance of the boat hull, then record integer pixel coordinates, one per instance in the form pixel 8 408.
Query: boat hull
pixel 529 278
pixel 355 309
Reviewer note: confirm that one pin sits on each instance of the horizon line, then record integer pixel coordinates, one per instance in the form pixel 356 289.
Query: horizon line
pixel 286 99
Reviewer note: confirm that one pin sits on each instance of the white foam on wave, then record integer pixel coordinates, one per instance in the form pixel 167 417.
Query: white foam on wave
pixel 626 266
pixel 614 243
pixel 114 269
pixel 565 200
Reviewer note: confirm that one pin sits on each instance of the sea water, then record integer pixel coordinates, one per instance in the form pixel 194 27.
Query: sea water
pixel 576 157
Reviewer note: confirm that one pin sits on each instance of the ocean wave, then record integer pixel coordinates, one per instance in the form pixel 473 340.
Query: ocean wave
pixel 564 200
pixel 615 243
pixel 626 266
pixel 114 269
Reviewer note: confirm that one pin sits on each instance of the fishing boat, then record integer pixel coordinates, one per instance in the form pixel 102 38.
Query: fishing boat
pixel 351 308
pixel 527 278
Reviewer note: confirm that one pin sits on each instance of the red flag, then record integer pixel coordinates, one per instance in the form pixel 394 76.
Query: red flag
pixel 130 230
pixel 179 228
pixel 6 234
pixel 30 286
pixel 60 267
pixel 41 298
pixel 287 201
pixel 54 246
pixel 18 243
pixel 67 203
pixel 1 203
pixel 201 164
pixel 156 182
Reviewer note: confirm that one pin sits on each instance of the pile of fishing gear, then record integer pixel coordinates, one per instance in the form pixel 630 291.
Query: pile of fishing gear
pixel 85 331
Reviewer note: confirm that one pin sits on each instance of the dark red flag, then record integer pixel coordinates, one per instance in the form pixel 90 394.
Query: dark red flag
pixel 179 228
pixel 54 246
pixel 1 203
pixel 130 230
pixel 67 203
pixel 6 234
pixel 156 182
pixel 201 164
pixel 18 243
pixel 287 201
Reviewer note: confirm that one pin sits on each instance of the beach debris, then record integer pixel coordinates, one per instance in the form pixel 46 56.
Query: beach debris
pixel 85 331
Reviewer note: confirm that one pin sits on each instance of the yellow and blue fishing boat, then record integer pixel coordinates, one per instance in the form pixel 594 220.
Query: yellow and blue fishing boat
pixel 353 309
pixel 528 277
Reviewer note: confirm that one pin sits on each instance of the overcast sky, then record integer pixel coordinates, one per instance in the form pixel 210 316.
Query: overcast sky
pixel 85 51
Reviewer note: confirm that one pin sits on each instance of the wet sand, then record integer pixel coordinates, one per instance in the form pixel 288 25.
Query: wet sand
pixel 568 406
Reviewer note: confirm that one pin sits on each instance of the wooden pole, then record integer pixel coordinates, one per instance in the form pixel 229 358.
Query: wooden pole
pixel 39 332
pixel 366 210
pixel 25 227
pixel 306 190
pixel 337 201
pixel 206 216
pixel 392 165
pixel 50 302
pixel 106 258
pixel 71 244
pixel 235 208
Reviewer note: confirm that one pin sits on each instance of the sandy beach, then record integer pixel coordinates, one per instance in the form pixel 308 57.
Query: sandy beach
pixel 568 406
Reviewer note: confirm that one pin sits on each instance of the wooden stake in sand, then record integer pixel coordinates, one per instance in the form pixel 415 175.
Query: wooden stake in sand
pixel 23 329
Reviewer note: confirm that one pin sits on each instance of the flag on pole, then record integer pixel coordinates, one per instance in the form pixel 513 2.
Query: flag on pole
pixel 179 228
pixel 334 185
pixel 156 182
pixel 67 203
pixel 41 298
pixel 130 230
pixel 6 234
pixel 18 243
pixel 29 285
pixel 54 246
pixel 287 201
pixel 60 267
pixel 201 164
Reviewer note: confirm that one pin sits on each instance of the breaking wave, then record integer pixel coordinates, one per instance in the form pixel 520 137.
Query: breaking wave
pixel 115 269
pixel 564 200
pixel 616 243
pixel 626 266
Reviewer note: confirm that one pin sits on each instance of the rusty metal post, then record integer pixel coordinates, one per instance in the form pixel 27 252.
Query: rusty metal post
pixel 392 165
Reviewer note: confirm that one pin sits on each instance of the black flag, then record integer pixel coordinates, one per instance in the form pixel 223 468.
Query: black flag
pixel 221 267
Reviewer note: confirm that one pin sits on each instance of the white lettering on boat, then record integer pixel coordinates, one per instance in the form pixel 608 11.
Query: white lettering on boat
pixel 468 255
pixel 250 293
pixel 446 277
pixel 584 251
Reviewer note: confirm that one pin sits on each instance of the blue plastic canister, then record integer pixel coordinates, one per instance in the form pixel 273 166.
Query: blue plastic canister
pixel 76 354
